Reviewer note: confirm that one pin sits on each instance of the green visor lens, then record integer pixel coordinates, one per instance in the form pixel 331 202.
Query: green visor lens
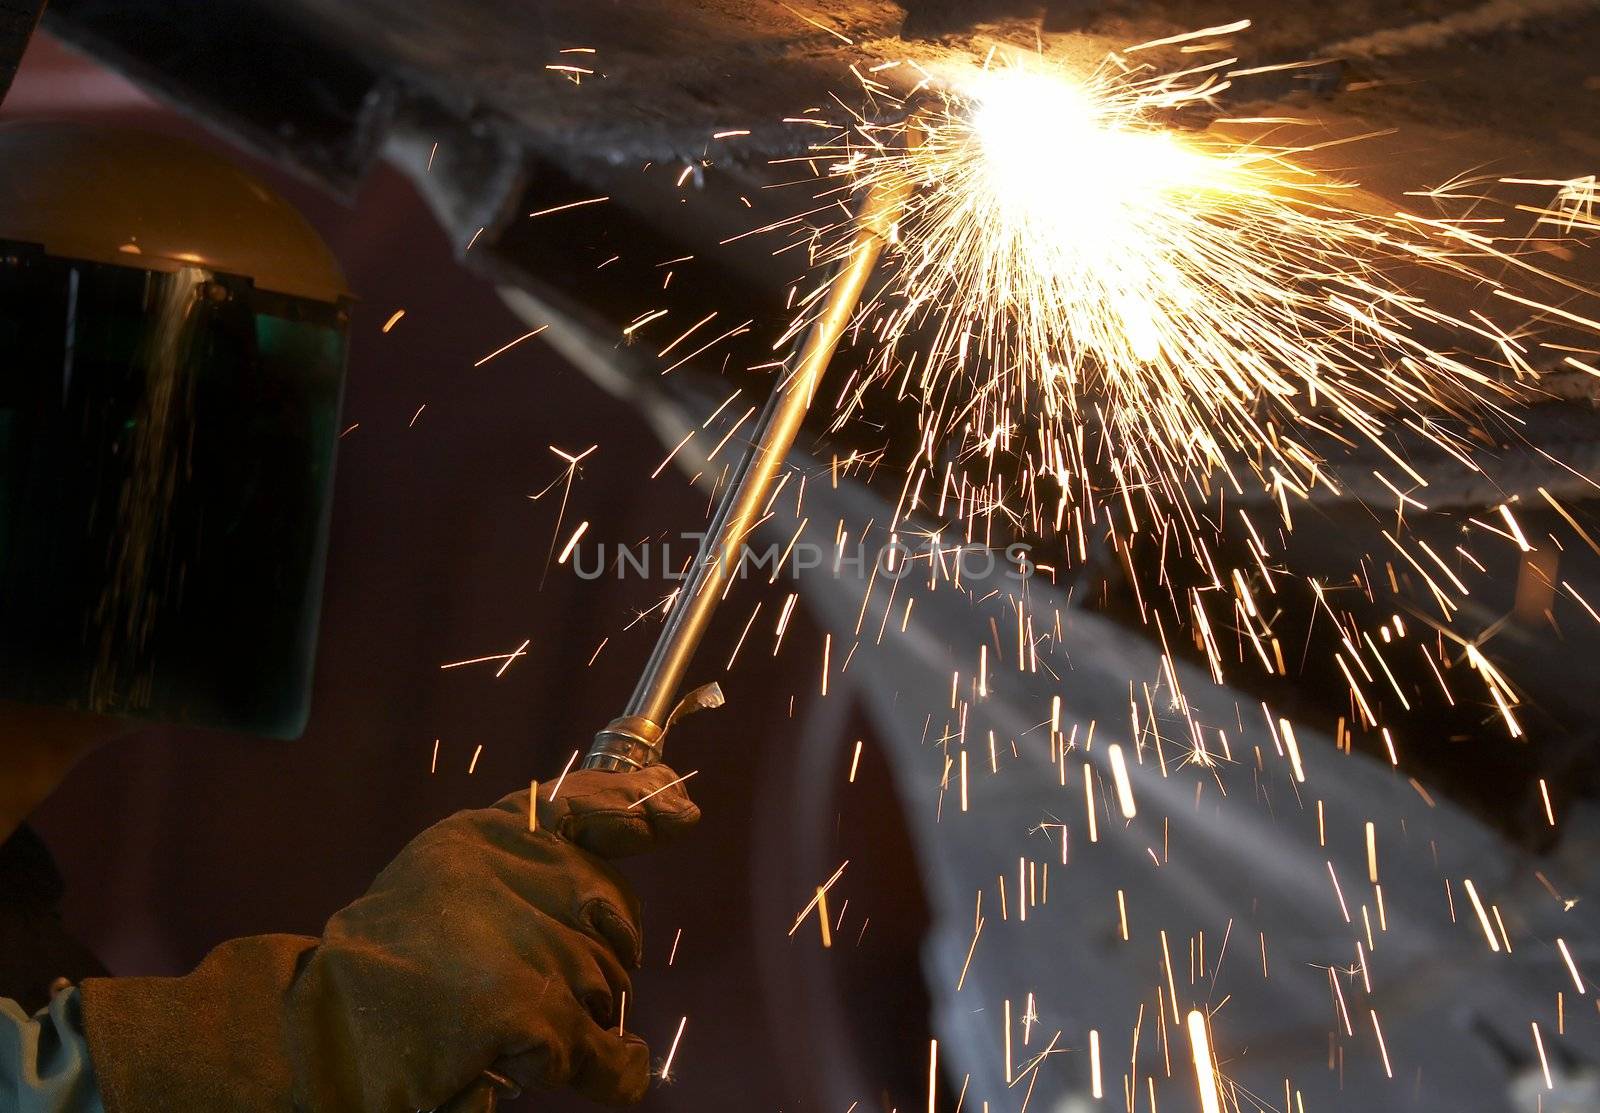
pixel 166 464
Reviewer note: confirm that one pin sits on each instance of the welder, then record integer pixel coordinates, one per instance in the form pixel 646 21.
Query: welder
pixel 172 350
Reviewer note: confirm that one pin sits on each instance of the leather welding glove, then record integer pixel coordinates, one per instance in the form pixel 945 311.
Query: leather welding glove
pixel 483 943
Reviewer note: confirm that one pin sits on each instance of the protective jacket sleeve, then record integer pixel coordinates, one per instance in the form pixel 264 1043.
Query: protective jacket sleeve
pixel 44 1058
pixel 500 938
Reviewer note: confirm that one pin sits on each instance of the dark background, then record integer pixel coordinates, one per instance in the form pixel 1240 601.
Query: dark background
pixel 172 840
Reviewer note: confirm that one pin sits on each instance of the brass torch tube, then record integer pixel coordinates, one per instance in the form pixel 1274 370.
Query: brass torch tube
pixel 634 740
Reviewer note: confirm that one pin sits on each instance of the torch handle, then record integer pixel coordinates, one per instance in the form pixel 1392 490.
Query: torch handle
pixel 480 1097
pixel 635 739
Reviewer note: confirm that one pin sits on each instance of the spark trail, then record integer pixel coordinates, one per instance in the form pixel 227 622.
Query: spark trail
pixel 1114 329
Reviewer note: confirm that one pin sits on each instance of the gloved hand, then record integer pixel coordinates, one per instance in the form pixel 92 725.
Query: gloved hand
pixel 481 944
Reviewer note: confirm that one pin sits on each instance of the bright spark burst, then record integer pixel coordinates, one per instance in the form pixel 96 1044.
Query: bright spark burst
pixel 1112 327
pixel 1112 330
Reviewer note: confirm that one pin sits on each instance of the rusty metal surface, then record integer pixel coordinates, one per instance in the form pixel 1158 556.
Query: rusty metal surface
pixel 666 75
pixel 463 96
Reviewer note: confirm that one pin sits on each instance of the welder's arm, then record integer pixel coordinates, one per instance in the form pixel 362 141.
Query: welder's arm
pixel 482 944
pixel 44 1061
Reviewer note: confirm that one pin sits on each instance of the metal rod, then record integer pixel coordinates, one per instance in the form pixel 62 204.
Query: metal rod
pixel 635 739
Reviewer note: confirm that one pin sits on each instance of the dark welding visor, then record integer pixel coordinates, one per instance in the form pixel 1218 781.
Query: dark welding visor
pixel 166 464
pixel 172 349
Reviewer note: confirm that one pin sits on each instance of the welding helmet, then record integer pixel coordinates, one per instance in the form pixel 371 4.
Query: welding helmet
pixel 172 353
